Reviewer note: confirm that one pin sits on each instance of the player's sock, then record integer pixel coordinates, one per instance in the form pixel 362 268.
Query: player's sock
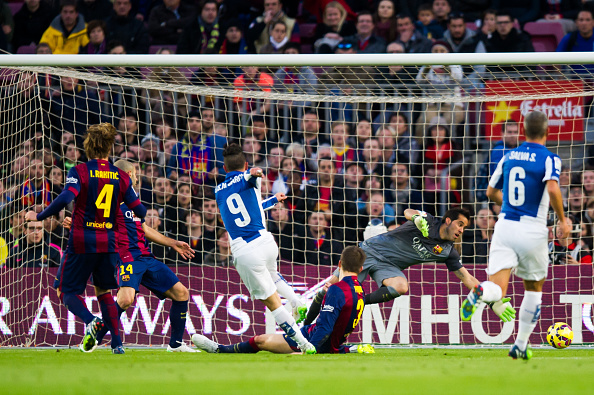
pixel 74 303
pixel 286 322
pixel 177 317
pixel 284 289
pixel 491 292
pixel 248 347
pixel 529 313
pixel 120 310
pixel 382 294
pixel 315 307
pixel 101 334
pixel 111 318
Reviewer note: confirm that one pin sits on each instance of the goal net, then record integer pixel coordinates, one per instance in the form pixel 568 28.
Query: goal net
pixel 348 139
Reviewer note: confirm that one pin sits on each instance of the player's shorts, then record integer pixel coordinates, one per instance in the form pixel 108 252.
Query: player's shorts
pixel 255 267
pixel 522 246
pixel 377 270
pixel 148 271
pixel 75 270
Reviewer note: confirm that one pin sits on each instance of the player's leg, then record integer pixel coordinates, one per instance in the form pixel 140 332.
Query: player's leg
pixel 529 312
pixel 104 280
pixel 298 306
pixel 390 279
pixel 316 304
pixel 270 342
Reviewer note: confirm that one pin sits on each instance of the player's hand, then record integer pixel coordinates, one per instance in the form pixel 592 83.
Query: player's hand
pixel 256 172
pixel 31 216
pixel 563 229
pixel 504 310
pixel 280 196
pixel 183 249
pixel 421 224
pixel 67 222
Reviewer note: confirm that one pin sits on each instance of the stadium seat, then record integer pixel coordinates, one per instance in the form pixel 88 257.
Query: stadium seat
pixel 546 36
pixel 153 49
pixel 27 49
pixel 15 7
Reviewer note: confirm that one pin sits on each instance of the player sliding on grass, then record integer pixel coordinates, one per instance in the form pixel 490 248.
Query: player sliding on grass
pixel 423 239
pixel 343 306
pixel 254 249
pixel 98 188
pixel 138 265
pixel 525 180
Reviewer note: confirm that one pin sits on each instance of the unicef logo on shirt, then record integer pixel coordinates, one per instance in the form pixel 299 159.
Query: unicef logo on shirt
pixel 108 225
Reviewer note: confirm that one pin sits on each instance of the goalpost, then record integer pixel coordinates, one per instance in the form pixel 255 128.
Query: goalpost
pixel 376 116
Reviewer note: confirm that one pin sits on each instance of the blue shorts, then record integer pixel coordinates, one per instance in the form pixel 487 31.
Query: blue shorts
pixel 75 270
pixel 292 343
pixel 148 271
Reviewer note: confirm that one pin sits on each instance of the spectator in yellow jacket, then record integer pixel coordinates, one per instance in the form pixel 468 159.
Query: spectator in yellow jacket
pixel 67 32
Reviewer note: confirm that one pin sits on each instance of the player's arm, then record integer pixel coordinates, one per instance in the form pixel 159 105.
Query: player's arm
pixel 333 304
pixel 273 200
pixel 180 247
pixel 496 183
pixel 252 175
pixel 557 203
pixel 495 195
pixel 69 193
pixel 418 217
pixel 467 279
pixel 133 202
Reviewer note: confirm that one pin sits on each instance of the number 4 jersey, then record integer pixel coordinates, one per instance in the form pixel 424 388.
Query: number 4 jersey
pixel 99 187
pixel 522 175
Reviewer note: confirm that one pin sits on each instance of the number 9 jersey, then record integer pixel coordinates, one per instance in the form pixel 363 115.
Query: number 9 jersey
pixel 521 175
pixel 99 187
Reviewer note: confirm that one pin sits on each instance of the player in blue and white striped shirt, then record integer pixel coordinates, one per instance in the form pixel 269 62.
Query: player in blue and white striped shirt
pixel 254 249
pixel 525 180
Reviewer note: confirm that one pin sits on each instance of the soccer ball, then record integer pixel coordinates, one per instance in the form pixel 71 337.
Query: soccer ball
pixel 559 335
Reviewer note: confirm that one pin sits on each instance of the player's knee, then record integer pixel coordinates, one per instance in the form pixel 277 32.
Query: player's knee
pixel 181 294
pixel 125 301
pixel 401 288
pixel 260 340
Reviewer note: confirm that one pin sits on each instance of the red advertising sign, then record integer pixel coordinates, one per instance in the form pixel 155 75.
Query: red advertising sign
pixel 220 307
pixel 566 114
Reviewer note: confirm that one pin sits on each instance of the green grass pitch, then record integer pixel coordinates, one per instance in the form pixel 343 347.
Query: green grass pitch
pixel 395 371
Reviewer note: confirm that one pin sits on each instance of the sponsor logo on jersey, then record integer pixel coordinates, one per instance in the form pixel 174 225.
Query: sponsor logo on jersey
pixel 100 225
pixel 328 308
pixel 130 215
pixel 421 249
pixel 71 180
pixel 104 174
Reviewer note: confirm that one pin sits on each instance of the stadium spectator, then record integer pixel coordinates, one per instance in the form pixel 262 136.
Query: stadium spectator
pixel 460 38
pixel 199 153
pixel 366 41
pixel 125 28
pixel 259 30
pixel 400 192
pixel 16 231
pixel 95 9
pixel 220 255
pixel 210 218
pixel 166 21
pixel 164 201
pixel 153 221
pixel 569 250
pixel 34 251
pixel 56 177
pixel 564 12
pixel 342 152
pixel 6 27
pixel 71 155
pixel 67 32
pixel 371 156
pixel 333 28
pixel 510 139
pixel 251 148
pixel 581 40
pixel 488 24
pixel 97 39
pixel 407 148
pixel 385 19
pixel 577 201
pixel 375 207
pixel 278 39
pixel 128 128
pixel 521 10
pixel 253 79
pixel 287 165
pixel 295 79
pixel 163 102
pixel 259 131
pixel 320 247
pixel 193 235
pixel 203 34
pixel 353 178
pixel 150 151
pixel 439 149
pixel 385 135
pixel 363 131
pixel 235 42
pixel 587 182
pixel 309 135
pixel 30 22
pixel 73 108
pixel 441 11
pixel 426 24
pixel 289 235
pixel 273 163
pixel 37 189
pixel 411 39
pixel 476 242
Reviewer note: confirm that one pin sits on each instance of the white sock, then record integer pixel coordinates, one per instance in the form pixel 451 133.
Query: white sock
pixel 529 313
pixel 285 290
pixel 491 292
pixel 285 320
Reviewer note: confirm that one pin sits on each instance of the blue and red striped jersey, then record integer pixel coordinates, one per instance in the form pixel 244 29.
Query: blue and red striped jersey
pixel 341 312
pixel 99 187
pixel 132 243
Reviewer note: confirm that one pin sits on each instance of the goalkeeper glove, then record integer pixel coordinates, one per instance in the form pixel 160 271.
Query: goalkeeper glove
pixel 421 224
pixel 504 310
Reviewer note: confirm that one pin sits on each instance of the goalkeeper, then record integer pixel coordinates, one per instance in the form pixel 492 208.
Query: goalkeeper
pixel 423 239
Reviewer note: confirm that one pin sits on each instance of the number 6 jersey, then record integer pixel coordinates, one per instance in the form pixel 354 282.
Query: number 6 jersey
pixel 99 187
pixel 522 175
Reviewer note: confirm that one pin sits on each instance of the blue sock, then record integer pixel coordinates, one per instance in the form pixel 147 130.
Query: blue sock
pixel 120 310
pixel 177 317
pixel 111 318
pixel 76 306
pixel 248 347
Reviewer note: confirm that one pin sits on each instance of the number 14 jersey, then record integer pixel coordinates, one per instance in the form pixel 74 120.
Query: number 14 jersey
pixel 99 187
pixel 522 175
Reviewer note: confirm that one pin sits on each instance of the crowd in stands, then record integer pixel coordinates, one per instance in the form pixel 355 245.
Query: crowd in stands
pixel 339 168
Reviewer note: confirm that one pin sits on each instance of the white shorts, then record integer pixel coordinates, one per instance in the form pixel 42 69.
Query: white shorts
pixel 255 265
pixel 520 245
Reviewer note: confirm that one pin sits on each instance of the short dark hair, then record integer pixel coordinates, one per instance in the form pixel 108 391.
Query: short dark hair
pixel 234 157
pixel 292 45
pixel 455 213
pixel 505 13
pixel 364 12
pixel 68 3
pixel 94 24
pixel 425 7
pixel 352 259
pixel 279 22
pixel 536 125
pixel 508 123
pixel 114 44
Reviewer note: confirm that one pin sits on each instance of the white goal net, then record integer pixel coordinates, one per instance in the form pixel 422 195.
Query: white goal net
pixel 347 138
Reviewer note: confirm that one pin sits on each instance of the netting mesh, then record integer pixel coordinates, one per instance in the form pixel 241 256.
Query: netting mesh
pixel 346 144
